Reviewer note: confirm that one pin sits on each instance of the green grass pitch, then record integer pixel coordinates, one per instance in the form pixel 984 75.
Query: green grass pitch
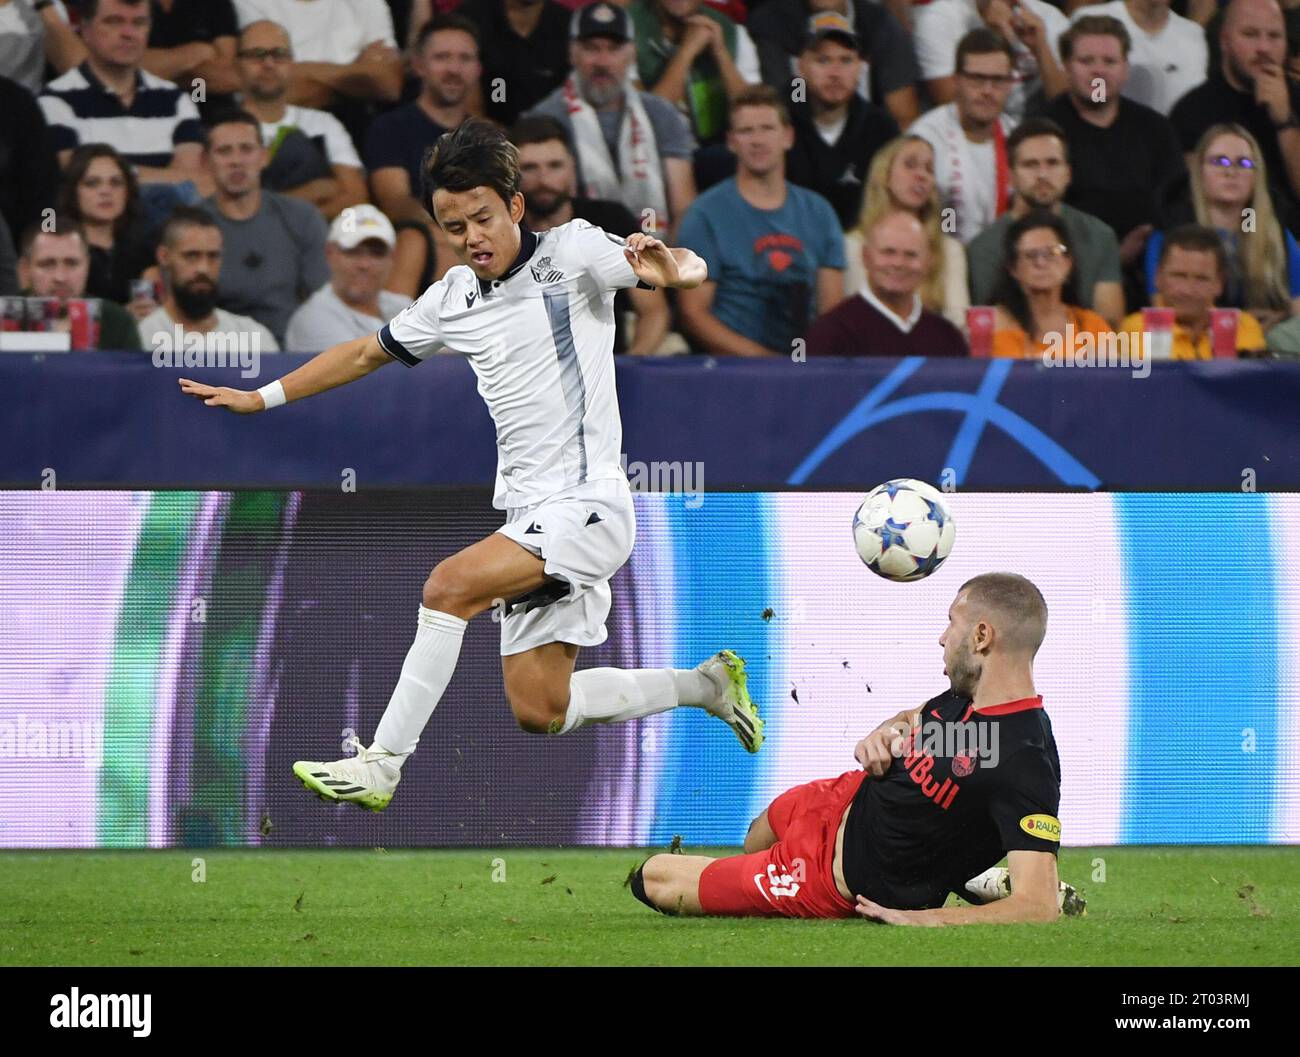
pixel 1156 906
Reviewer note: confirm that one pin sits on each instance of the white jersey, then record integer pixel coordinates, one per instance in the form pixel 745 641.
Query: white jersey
pixel 541 341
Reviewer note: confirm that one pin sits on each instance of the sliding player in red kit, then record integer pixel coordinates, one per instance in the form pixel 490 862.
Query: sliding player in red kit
pixel 945 792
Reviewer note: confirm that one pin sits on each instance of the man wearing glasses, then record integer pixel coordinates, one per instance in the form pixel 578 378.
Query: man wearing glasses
pixel 1031 28
pixel 969 134
pixel 1040 175
pixel 310 154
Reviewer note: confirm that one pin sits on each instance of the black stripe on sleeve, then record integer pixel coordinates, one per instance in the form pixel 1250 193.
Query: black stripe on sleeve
pixel 395 348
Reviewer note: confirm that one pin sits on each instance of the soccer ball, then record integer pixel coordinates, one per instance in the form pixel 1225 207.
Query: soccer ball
pixel 903 530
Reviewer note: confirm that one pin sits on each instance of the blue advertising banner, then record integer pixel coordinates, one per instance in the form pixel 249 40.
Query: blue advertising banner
pixel 115 419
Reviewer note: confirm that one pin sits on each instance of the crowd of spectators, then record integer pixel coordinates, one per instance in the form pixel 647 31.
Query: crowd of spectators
pixel 862 177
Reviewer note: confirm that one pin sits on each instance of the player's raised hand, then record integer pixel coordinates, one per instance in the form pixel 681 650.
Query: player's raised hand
pixel 877 750
pixel 238 400
pixel 651 260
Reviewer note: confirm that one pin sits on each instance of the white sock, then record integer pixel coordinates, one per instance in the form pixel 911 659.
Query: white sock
pixel 615 695
pixel 693 687
pixel 425 674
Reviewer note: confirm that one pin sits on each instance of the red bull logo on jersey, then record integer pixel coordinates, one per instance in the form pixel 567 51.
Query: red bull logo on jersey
pixel 942 793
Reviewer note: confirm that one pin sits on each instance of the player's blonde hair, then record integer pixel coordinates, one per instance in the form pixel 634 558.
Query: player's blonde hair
pixel 1018 609
pixel 877 202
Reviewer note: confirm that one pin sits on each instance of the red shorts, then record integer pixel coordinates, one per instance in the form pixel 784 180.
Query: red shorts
pixel 794 877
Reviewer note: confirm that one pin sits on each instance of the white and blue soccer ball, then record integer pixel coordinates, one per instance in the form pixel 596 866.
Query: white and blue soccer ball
pixel 904 530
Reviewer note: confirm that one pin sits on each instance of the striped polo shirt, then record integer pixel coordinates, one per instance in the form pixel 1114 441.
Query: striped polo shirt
pixel 79 109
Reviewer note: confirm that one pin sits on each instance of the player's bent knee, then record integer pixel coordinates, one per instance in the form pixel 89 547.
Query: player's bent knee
pixel 537 713
pixel 447 590
pixel 759 837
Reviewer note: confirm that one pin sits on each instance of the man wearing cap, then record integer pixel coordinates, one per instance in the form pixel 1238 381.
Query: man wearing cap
pixel 695 57
pixel 836 131
pixel 888 75
pixel 632 146
pixel 353 303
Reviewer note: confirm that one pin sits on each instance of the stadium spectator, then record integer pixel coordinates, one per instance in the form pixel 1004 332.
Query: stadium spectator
pixel 1250 88
pixel 445 59
pixel 1230 197
pixel 1040 175
pixel 525 52
pixel 274 246
pixel 775 251
pixel 310 154
pixel 886 317
pixel 99 190
pixel 1031 28
pixel 1126 161
pixel 969 135
pixel 29 173
pixel 109 99
pixel 1168 55
pixel 354 303
pixel 194 40
pixel 632 146
pixel 55 263
pixel 345 49
pixel 695 57
pixel 1037 304
pixel 33 33
pixel 836 131
pixel 548 181
pixel 902 178
pixel 189 259
pixel 889 73
pixel 1189 279
pixel 8 261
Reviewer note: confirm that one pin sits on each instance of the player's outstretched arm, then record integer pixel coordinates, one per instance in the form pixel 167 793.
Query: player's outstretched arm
pixel 1034 885
pixel 659 265
pixel 335 366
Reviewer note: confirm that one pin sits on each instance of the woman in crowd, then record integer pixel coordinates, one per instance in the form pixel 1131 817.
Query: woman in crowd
pixel 1037 297
pixel 1229 187
pixel 902 177
pixel 100 190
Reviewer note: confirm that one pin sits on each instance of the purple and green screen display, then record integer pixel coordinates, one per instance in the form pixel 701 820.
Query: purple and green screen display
pixel 166 656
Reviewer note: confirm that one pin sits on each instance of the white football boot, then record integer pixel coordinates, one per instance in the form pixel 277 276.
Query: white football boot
pixel 733 705
pixel 995 883
pixel 367 779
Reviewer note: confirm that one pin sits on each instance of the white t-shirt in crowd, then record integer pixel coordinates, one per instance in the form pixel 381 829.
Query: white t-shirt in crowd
pixel 939 27
pixel 324 30
pixel 964 172
pixel 316 125
pixel 541 341
pixel 158 330
pixel 324 319
pixel 1164 66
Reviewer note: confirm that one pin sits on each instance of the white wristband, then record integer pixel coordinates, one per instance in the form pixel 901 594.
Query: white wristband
pixel 272 395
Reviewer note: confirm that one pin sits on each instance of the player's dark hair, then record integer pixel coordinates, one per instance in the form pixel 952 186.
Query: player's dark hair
pixel 539 129
pixel 1033 128
pixel 474 154
pixel 1008 292
pixel 60 226
pixel 982 41
pixel 1094 26
pixel 1198 239
pixel 1015 598
pixel 230 116
pixel 183 217
pixel 439 23
pixel 758 95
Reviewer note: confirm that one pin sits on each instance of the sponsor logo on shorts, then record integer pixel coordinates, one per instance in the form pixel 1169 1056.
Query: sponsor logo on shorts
pixel 1044 826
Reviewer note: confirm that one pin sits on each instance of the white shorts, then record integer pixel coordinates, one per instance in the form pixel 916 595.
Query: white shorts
pixel 585 534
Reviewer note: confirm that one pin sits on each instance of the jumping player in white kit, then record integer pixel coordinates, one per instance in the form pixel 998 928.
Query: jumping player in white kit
pixel 533 313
